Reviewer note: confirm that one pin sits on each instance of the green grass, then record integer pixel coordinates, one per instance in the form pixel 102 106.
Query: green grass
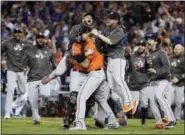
pixel 53 126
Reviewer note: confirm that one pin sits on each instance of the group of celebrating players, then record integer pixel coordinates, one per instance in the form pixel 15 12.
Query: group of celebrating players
pixel 99 70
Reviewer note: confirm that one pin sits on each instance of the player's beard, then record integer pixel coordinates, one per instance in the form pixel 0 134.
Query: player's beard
pixel 40 44
pixel 17 38
pixel 140 51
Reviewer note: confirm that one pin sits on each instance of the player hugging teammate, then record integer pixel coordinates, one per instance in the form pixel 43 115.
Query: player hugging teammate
pixel 150 76
pixel 149 73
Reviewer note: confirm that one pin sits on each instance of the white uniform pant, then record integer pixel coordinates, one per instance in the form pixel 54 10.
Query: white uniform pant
pixel 116 75
pixel 14 80
pixel 36 89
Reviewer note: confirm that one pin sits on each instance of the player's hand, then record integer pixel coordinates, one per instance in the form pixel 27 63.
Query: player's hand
pixel 175 80
pixel 151 70
pixel 78 38
pixel 46 80
pixel 94 32
pixel 25 70
pixel 89 52
pixel 72 61
pixel 183 75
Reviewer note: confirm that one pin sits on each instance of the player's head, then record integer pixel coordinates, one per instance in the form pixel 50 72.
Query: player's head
pixel 178 50
pixel 88 19
pixel 112 19
pixel 141 46
pixel 40 39
pixel 17 34
pixel 152 42
pixel 85 33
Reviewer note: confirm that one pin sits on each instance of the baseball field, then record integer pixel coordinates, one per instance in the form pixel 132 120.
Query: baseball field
pixel 53 126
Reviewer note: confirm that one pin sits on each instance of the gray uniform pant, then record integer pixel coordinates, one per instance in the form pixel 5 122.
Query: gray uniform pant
pixel 92 83
pixel 99 113
pixel 36 89
pixel 161 90
pixel 147 98
pixel 14 79
pixel 20 102
pixel 179 100
pixel 116 75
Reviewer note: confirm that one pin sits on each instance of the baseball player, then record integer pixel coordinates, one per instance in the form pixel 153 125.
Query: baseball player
pixel 114 34
pixel 16 77
pixel 178 78
pixel 39 60
pixel 62 67
pixel 91 61
pixel 159 74
pixel 139 84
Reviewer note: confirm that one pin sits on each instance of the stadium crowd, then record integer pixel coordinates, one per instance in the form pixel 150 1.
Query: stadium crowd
pixel 57 18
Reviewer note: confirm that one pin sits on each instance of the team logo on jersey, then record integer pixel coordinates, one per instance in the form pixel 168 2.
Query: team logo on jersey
pixel 39 55
pixel 139 64
pixel 18 47
pixel 174 63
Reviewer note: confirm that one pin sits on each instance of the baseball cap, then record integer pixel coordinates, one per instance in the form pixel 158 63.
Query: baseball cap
pixel 114 16
pixel 17 30
pixel 90 14
pixel 84 29
pixel 40 35
pixel 141 42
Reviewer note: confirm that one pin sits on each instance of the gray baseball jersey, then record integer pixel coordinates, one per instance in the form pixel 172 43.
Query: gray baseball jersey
pixel 137 78
pixel 159 61
pixel 178 68
pixel 15 53
pixel 116 34
pixel 39 61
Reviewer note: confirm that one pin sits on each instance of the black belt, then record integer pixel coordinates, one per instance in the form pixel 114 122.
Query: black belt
pixel 85 72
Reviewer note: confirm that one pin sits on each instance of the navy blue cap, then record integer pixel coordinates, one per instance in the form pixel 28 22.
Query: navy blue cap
pixel 40 35
pixel 91 14
pixel 17 30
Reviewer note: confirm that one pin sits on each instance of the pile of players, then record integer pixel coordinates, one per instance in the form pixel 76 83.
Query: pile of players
pixel 150 76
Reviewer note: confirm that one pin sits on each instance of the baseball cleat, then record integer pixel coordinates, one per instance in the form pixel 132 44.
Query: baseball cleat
pixel 77 128
pixel 135 104
pixel 170 125
pixel 166 121
pixel 98 124
pixel 122 119
pixel 112 126
pixel 65 127
pixel 127 108
pixel 159 126
pixel 36 122
pixel 7 116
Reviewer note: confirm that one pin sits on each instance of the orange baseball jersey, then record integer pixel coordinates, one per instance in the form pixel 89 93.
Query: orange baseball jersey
pixel 96 59
pixel 76 50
